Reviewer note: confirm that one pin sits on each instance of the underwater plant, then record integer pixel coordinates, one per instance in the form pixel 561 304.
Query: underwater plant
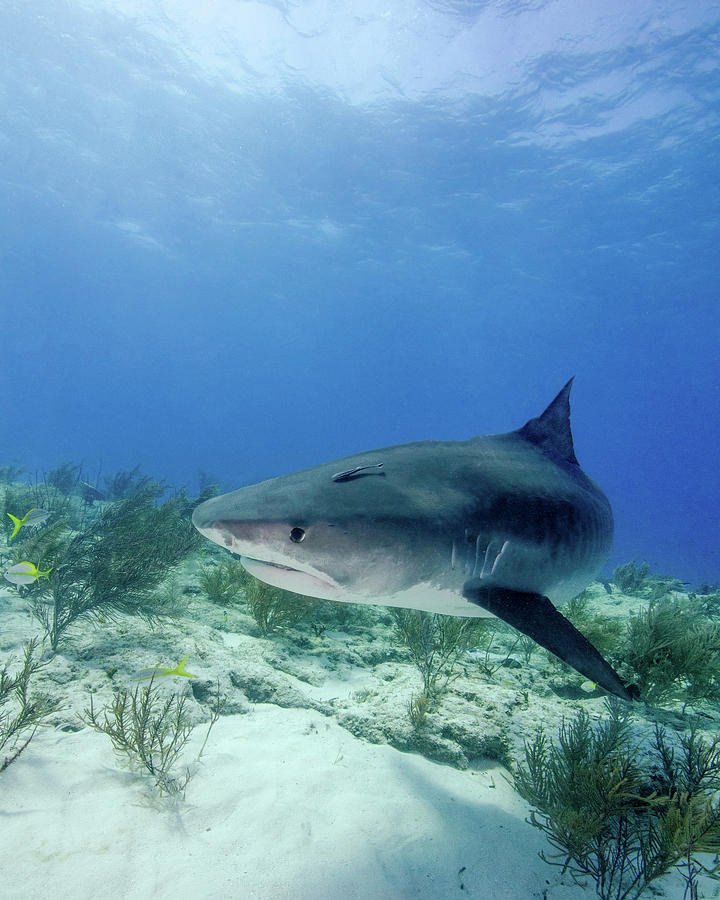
pixel 672 649
pixel 605 633
pixel 707 600
pixel 272 608
pixel 64 477
pixel 126 482
pixel 618 817
pixel 630 578
pixel 27 712
pixel 659 586
pixel 527 648
pixel 418 708
pixel 436 644
pixel 10 474
pixel 223 582
pixel 151 731
pixel 485 633
pixel 117 562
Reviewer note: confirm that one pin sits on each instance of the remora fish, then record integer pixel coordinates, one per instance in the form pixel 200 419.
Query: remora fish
pixel 506 525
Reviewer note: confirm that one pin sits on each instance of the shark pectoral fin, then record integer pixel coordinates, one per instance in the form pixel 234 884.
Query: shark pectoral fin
pixel 535 616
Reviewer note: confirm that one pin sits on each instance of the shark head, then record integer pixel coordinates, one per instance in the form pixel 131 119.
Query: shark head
pixel 363 527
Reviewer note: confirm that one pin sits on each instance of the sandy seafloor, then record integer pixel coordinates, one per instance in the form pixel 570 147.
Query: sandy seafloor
pixel 313 783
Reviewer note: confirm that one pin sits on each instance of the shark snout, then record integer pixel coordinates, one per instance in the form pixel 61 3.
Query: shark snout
pixel 230 526
pixel 208 519
pixel 203 516
pixel 207 522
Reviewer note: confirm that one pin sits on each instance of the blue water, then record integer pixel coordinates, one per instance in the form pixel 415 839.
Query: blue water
pixel 245 238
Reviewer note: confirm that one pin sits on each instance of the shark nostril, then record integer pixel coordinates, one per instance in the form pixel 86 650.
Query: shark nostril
pixel 297 535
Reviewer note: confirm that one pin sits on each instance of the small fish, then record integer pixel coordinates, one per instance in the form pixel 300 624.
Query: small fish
pixel 349 473
pixel 588 687
pixel 24 573
pixel 31 517
pixel 158 672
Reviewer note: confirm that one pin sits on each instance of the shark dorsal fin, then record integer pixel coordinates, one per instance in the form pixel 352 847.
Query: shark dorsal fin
pixel 551 430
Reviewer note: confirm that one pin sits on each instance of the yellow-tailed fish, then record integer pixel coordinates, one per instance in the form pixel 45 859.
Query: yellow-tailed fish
pixel 588 687
pixel 31 517
pixel 159 672
pixel 24 573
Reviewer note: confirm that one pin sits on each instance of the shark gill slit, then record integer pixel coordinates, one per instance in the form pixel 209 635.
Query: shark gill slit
pixel 490 559
pixel 497 558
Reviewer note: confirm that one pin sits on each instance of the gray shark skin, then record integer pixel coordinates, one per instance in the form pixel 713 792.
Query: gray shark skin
pixel 506 525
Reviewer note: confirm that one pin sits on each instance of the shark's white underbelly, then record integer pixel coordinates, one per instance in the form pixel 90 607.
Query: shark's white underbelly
pixel 423 597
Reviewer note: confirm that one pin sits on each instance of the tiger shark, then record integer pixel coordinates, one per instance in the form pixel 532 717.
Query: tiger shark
pixel 504 525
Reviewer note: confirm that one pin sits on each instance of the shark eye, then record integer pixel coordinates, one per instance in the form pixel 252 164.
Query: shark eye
pixel 297 535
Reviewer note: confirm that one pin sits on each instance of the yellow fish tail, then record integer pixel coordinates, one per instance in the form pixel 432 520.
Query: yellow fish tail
pixel 180 669
pixel 45 574
pixel 18 525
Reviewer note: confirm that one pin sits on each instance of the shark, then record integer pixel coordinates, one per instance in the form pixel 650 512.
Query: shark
pixel 504 525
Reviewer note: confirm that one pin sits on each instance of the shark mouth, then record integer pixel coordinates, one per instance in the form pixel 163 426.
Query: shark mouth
pixel 290 579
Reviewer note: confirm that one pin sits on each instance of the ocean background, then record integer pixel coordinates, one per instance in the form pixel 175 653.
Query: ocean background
pixel 242 238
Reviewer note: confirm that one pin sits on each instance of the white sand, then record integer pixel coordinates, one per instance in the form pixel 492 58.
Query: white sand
pixel 286 804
